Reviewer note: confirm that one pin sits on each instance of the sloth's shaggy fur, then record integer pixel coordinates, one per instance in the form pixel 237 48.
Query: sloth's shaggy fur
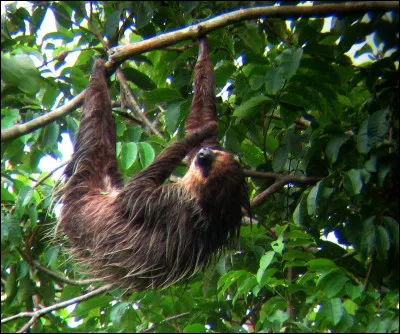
pixel 145 234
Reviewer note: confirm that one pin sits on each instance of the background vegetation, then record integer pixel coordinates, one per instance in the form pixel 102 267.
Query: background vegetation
pixel 316 134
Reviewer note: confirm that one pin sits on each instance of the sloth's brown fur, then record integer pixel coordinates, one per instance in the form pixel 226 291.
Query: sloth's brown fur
pixel 145 234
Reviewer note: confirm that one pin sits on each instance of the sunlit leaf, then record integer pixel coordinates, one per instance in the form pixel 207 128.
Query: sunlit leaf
pixel 146 154
pixel 129 153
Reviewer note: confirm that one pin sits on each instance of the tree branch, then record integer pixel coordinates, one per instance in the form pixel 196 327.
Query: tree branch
pixel 121 53
pixel 28 127
pixel 39 313
pixel 133 105
pixel 281 180
pixel 63 279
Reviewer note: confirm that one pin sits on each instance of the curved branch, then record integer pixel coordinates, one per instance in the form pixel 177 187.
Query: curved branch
pixel 281 181
pixel 121 53
pixel 45 310
pixel 288 178
pixel 28 127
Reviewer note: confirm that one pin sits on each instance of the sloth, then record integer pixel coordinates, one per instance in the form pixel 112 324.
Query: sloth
pixel 149 234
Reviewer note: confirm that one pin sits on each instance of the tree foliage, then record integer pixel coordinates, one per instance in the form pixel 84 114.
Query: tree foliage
pixel 321 131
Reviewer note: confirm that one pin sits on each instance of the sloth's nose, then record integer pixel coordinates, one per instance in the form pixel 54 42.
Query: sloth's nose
pixel 205 153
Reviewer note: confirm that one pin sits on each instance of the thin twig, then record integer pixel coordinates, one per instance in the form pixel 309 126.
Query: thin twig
pixel 166 320
pixel 370 270
pixel 64 279
pixel 133 105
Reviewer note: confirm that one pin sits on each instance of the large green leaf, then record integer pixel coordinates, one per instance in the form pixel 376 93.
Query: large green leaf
pixel 334 145
pixel 353 182
pixel 290 61
pixel 372 131
pixel 265 261
pixel 274 80
pixel 332 282
pixel 173 115
pixel 161 95
pixel 139 79
pixel 129 153
pixel 251 107
pixel 223 73
pixel 19 70
pixel 332 310
pixel 146 154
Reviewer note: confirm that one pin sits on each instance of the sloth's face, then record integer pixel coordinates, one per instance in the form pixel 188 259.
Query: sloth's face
pixel 209 166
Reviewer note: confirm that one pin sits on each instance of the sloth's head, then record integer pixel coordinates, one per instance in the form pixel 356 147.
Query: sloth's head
pixel 213 171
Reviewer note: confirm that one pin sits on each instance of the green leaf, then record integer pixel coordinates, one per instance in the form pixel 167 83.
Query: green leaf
pixel 295 234
pixel 290 61
pixel 251 107
pixel 24 196
pixel 280 229
pixel 321 265
pixel 332 282
pixel 230 278
pixel 300 213
pixel 354 291
pixel 278 245
pixel 274 80
pixel 297 254
pixel 293 100
pixel 173 115
pixel 350 307
pixel 334 145
pixel 245 288
pixel 265 261
pixel 146 154
pixel 11 231
pixel 393 227
pixel 368 236
pixel 372 131
pixel 50 95
pixel 51 255
pixel 129 153
pixel 144 13
pixel 251 37
pixel 133 134
pixel 312 199
pixel 161 95
pixel 112 23
pixel 223 73
pixel 353 182
pixel 118 311
pixel 139 79
pixel 382 242
pixel 251 154
pixel 19 70
pixel 332 310
pixel 195 328
pixel 271 144
pixel 62 15
pixel 50 135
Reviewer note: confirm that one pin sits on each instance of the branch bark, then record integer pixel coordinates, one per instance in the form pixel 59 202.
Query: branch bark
pixel 280 182
pixel 121 53
pixel 39 313
pixel 28 127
